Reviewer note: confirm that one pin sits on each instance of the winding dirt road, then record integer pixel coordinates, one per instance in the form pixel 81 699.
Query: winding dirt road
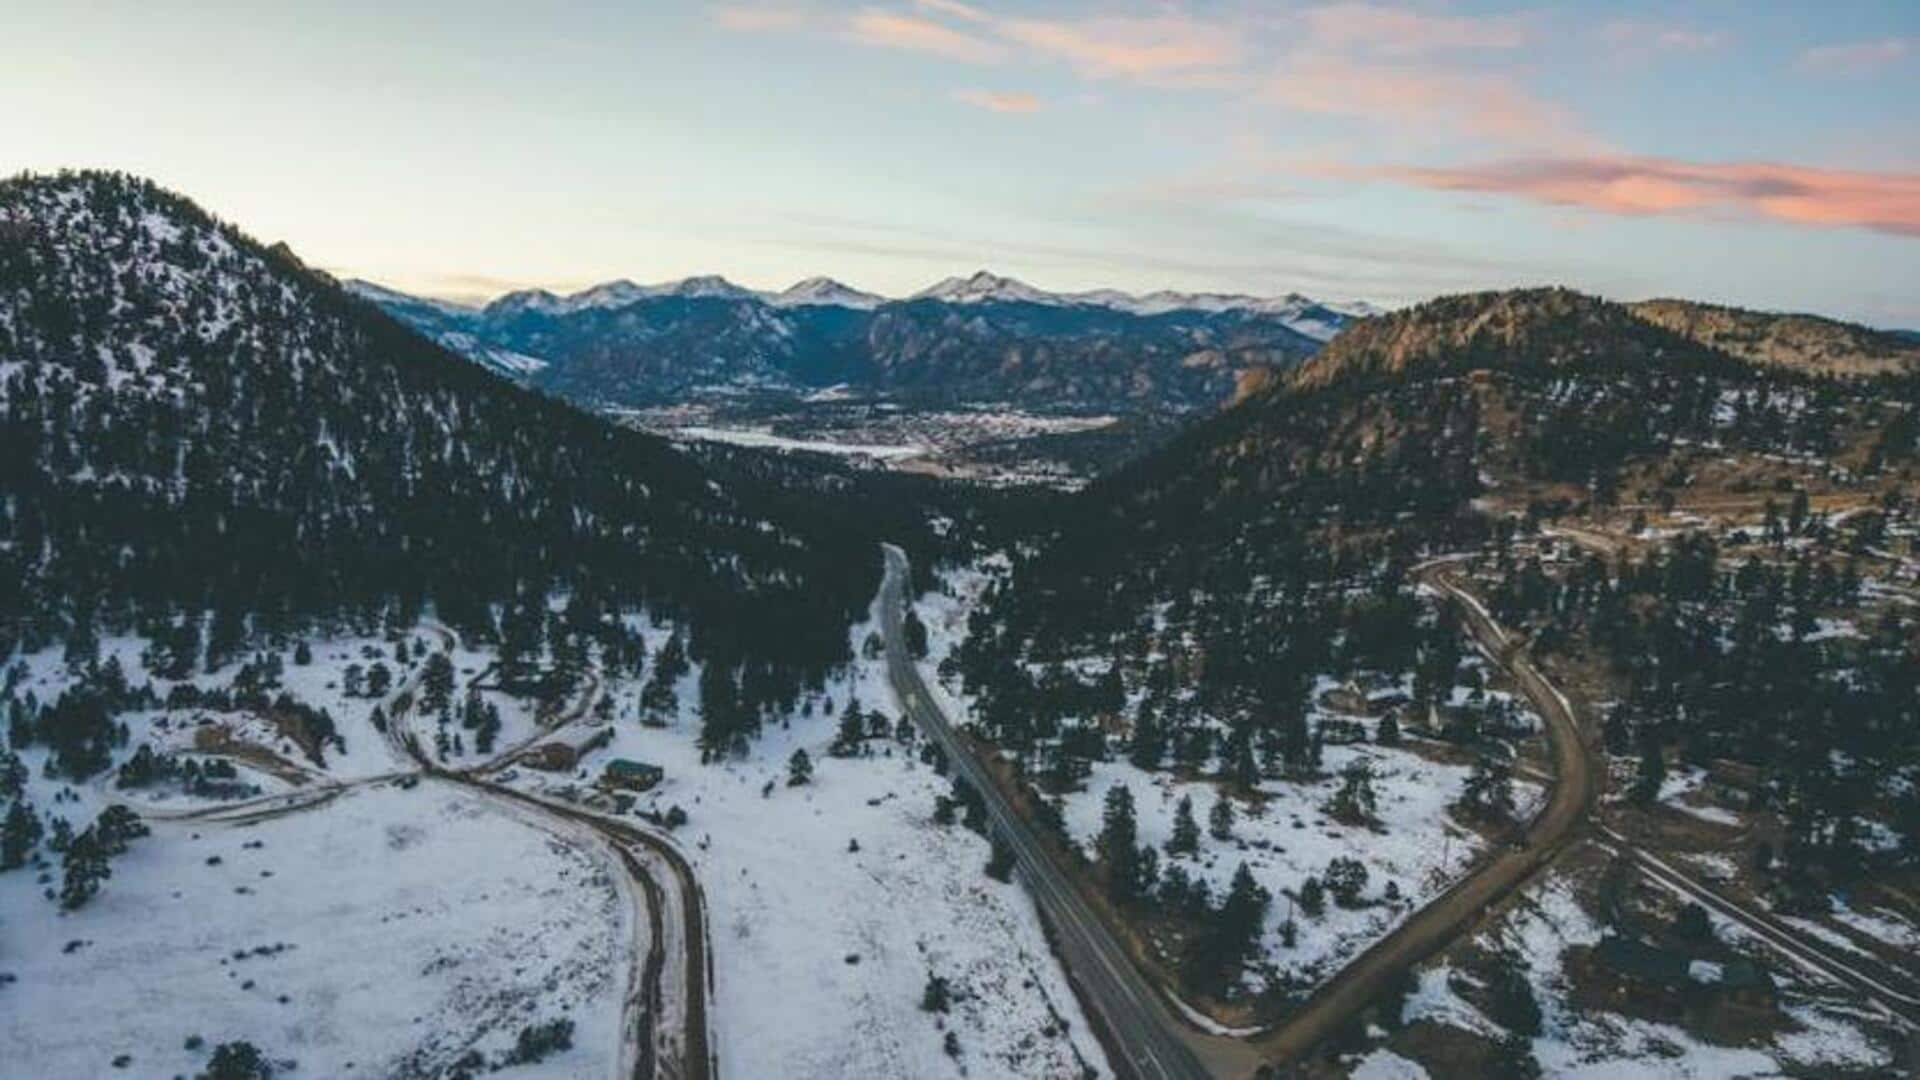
pixel 1578 777
pixel 665 1026
pixel 652 1047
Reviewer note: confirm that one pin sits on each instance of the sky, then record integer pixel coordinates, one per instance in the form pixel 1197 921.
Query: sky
pixel 1757 152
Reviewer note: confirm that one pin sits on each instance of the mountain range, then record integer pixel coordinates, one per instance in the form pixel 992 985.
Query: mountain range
pixel 978 338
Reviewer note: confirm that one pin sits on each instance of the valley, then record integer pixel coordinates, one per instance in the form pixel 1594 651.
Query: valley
pixel 691 681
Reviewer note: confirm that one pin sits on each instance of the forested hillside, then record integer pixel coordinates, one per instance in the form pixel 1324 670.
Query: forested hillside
pixel 1200 603
pixel 192 423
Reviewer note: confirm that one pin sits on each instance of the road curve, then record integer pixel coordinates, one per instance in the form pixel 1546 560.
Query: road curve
pixel 648 1050
pixel 1142 1037
pixel 1578 777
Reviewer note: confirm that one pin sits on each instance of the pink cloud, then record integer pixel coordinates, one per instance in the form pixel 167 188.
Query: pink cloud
pixel 893 30
pixel 1000 101
pixel 1141 48
pixel 1886 202
pixel 1478 104
pixel 1404 32
pixel 751 19
pixel 1856 57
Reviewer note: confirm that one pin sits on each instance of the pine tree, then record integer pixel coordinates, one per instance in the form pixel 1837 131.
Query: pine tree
pixel 1313 897
pixel 1355 802
pixel 720 732
pixel 1119 846
pixel 85 868
pixel 1488 793
pixel 853 729
pixel 116 827
pixel 937 996
pixel 1220 819
pixel 1388 731
pixel 1232 935
pixel 1346 880
pixel 799 769
pixel 1653 769
pixel 1186 831
pixel 1149 743
pixel 916 632
pixel 19 835
pixel 436 683
pixel 243 1061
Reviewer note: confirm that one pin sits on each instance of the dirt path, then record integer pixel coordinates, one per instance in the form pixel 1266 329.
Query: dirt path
pixel 666 1034
pixel 1578 776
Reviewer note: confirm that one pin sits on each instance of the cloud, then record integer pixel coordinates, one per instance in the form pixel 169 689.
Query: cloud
pixel 1477 104
pixel 1635 40
pixel 1394 31
pixel 893 30
pixel 1887 202
pixel 1170 44
pixel 1856 58
pixel 1000 101
pixel 748 19
pixel 953 8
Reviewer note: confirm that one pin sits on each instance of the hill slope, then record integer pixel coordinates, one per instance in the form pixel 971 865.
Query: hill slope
pixel 192 422
pixel 1801 342
pixel 1428 428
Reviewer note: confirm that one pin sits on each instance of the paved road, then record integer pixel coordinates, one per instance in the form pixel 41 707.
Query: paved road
pixel 1142 1037
pixel 1578 776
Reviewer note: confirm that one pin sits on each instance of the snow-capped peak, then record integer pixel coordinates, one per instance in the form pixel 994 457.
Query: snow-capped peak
pixel 826 292
pixel 983 287
pixel 538 300
pixel 1308 316
pixel 609 294
pixel 704 287
pixel 618 294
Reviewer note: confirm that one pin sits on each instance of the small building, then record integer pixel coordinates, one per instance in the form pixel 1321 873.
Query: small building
pixel 563 752
pixel 628 775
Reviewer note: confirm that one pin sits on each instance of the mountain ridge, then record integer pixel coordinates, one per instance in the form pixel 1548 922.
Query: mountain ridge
pixel 248 437
pixel 982 338
pixel 981 286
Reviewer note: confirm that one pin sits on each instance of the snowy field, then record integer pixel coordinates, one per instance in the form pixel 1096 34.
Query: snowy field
pixel 1286 837
pixel 390 927
pixel 405 925
pixel 822 953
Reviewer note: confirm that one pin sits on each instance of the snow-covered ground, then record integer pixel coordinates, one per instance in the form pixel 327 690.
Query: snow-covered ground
pixel 422 919
pixel 822 952
pixel 1284 836
pixel 389 926
pixel 1579 1042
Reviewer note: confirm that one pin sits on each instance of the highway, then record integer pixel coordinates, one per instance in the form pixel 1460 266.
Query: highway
pixel 1142 1037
